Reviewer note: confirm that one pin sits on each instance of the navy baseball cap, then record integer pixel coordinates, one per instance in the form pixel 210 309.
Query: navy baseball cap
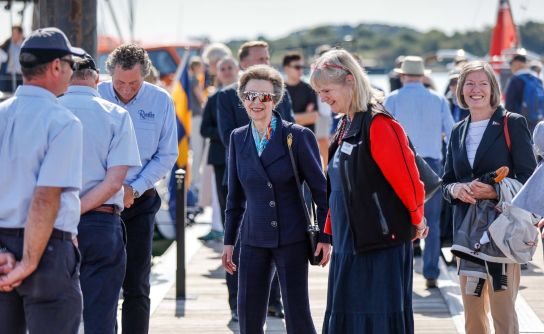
pixel 85 62
pixel 44 45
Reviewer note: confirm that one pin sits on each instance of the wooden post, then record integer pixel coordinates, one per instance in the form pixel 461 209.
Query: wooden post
pixel 76 18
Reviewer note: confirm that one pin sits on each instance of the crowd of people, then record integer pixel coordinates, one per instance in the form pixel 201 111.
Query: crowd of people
pixel 283 150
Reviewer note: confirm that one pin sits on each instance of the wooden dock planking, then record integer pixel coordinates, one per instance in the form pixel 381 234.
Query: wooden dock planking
pixel 206 310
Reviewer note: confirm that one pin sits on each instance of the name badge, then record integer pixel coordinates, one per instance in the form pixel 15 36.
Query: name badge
pixel 346 148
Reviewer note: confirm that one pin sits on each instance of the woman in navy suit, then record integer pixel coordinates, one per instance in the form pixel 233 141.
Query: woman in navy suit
pixel 477 146
pixel 264 209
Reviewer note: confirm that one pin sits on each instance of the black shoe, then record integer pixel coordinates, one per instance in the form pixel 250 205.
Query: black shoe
pixel 276 311
pixel 234 316
pixel 431 283
pixel 417 251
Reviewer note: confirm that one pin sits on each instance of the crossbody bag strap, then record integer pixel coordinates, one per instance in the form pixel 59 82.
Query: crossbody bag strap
pixel 507 133
pixel 297 178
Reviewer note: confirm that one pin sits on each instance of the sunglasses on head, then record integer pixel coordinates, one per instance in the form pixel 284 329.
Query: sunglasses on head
pixel 263 97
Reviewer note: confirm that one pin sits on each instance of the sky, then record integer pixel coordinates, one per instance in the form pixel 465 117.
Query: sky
pixel 222 20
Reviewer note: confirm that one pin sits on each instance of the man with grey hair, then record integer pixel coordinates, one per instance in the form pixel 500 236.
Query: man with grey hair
pixel 152 112
pixel 109 149
pixel 212 54
pixel 41 163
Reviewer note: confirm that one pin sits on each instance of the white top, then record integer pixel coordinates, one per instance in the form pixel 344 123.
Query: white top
pixel 154 118
pixel 474 137
pixel 40 146
pixel 108 137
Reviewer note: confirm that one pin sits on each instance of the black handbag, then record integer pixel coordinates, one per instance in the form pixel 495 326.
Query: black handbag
pixel 312 230
pixel 431 181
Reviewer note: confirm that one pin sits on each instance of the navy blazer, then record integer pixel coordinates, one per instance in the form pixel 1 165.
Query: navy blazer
pixel 209 129
pixel 491 154
pixel 262 191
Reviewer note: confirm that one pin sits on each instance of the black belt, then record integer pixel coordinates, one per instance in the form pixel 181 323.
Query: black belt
pixel 20 232
pixel 112 209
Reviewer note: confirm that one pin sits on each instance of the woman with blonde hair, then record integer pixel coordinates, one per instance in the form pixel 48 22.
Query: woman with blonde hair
pixel 376 205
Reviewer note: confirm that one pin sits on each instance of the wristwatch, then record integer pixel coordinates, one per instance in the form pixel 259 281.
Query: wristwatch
pixel 135 193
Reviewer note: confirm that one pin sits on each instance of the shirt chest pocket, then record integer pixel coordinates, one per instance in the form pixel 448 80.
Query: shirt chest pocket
pixel 147 137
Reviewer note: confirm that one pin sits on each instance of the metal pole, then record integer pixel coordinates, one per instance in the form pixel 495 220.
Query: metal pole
pixel 13 74
pixel 180 233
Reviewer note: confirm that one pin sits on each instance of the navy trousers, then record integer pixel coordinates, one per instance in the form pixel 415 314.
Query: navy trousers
pixel 256 269
pixel 102 244
pixel 139 222
pixel 49 300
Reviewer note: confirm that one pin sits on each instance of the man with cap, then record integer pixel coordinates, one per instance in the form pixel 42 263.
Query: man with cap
pixel 427 120
pixel 41 147
pixel 524 86
pixel 152 112
pixel 109 149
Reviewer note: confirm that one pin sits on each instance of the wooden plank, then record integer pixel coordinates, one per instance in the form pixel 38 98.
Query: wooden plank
pixel 209 312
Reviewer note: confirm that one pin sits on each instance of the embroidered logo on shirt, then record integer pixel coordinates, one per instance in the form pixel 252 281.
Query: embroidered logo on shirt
pixel 146 115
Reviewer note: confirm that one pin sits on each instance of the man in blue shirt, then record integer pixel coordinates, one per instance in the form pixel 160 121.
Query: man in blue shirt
pixel 231 115
pixel 41 163
pixel 109 149
pixel 514 93
pixel 152 112
pixel 427 120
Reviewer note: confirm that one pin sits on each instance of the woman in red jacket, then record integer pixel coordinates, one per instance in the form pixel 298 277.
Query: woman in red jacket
pixel 376 205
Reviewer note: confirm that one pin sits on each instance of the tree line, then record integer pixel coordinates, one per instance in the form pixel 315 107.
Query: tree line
pixel 380 44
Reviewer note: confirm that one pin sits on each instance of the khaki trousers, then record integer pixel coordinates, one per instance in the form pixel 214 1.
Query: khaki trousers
pixel 501 304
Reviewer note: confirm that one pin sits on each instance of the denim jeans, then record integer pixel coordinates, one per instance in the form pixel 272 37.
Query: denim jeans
pixel 431 252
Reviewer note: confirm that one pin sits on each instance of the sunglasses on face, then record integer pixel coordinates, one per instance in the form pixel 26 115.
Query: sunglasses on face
pixel 70 62
pixel 297 67
pixel 263 97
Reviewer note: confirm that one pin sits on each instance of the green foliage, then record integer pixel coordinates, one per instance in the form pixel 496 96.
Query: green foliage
pixel 383 43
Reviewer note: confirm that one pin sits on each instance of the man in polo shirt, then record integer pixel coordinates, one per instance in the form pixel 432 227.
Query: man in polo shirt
pixel 152 112
pixel 40 160
pixel 427 119
pixel 109 149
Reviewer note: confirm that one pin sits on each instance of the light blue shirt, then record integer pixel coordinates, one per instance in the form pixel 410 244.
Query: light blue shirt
pixel 108 137
pixel 40 146
pixel 154 119
pixel 424 115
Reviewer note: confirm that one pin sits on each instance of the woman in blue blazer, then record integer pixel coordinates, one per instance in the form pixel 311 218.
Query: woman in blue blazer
pixel 264 209
pixel 478 145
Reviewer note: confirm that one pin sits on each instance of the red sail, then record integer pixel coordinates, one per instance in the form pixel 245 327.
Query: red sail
pixel 504 34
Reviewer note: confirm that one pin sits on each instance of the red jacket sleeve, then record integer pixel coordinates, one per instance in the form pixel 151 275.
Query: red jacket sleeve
pixel 389 148
pixel 328 227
